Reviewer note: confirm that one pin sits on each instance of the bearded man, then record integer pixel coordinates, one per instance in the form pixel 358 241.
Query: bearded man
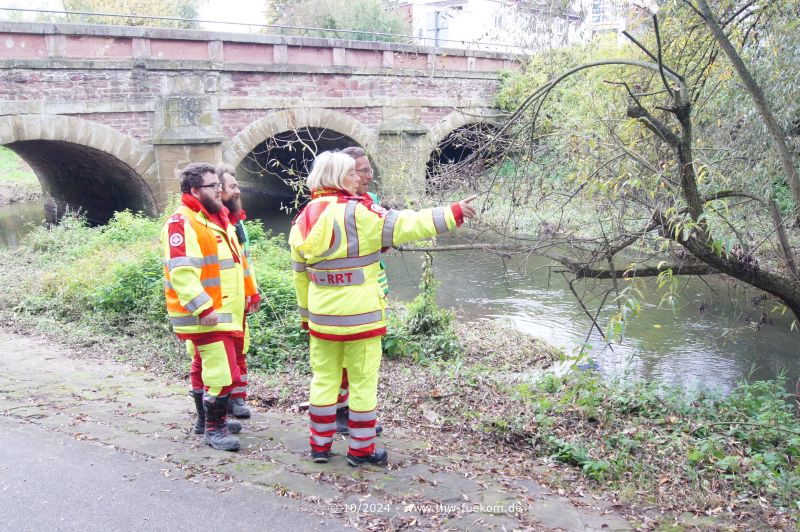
pixel 205 272
pixel 231 198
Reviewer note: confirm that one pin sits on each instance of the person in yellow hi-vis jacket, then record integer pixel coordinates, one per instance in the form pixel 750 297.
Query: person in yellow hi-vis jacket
pixel 231 199
pixel 205 273
pixel 336 243
pixel 365 174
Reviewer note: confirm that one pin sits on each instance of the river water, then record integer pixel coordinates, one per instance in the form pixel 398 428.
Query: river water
pixel 707 342
pixel 17 219
pixel 711 340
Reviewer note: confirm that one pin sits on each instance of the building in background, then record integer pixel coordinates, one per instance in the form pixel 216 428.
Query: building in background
pixel 513 25
pixel 612 17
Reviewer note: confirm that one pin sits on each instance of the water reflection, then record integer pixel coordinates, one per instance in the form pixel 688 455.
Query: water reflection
pixel 707 342
pixel 18 219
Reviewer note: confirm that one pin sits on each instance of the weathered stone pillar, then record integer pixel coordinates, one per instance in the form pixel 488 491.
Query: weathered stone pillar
pixel 399 159
pixel 186 129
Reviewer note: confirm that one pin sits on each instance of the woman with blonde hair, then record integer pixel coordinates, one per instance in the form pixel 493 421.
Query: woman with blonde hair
pixel 336 243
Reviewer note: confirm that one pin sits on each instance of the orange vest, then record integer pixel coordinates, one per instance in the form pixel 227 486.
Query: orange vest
pixel 221 266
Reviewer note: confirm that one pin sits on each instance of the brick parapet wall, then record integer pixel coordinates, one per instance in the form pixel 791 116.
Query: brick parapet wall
pixel 138 126
pixel 126 99
pixel 94 42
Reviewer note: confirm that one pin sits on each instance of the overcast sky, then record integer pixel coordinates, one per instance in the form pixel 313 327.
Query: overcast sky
pixel 234 11
pixel 246 11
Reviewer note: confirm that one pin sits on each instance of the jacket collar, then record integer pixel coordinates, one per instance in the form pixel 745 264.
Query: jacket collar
pixel 320 192
pixel 220 218
pixel 236 217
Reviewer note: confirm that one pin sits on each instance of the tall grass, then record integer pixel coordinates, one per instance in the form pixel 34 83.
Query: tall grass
pixel 110 279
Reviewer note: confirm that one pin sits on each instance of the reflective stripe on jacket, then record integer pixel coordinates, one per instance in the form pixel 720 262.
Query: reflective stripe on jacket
pixel 203 268
pixel 336 243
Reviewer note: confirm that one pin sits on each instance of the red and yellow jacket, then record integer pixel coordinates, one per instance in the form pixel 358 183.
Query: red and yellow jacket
pixel 205 269
pixel 336 243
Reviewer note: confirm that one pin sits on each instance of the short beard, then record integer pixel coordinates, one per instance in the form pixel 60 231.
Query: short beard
pixel 210 205
pixel 233 204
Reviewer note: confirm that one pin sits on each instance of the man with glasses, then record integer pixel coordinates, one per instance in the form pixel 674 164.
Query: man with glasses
pixel 365 176
pixel 205 289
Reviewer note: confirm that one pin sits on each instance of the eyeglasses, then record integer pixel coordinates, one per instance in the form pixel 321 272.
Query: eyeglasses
pixel 217 186
pixel 365 171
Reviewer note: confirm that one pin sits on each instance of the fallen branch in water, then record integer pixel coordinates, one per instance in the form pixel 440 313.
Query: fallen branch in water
pixel 584 271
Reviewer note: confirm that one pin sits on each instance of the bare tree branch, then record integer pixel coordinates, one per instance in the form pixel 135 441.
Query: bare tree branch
pixel 776 131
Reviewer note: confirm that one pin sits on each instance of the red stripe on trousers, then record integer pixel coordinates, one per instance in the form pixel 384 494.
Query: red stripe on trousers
pixel 365 451
pixel 322 419
pixel 344 386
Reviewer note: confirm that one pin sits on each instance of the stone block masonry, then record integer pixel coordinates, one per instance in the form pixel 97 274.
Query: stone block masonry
pixel 215 93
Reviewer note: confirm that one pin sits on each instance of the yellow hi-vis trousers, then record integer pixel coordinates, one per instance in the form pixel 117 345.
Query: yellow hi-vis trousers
pixel 216 357
pixel 362 358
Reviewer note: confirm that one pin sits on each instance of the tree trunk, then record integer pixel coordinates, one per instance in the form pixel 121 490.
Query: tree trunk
pixel 775 130
pixel 785 289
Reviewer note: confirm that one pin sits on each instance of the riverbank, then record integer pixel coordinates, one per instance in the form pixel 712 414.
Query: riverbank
pixel 18 183
pixel 11 192
pixel 657 457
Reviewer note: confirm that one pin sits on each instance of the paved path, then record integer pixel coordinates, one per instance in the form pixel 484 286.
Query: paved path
pixel 131 415
pixel 52 481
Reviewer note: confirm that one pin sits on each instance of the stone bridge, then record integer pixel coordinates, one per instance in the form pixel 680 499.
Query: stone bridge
pixel 107 115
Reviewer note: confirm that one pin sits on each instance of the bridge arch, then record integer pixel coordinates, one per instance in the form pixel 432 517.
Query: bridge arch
pixel 84 164
pixel 292 119
pixel 272 154
pixel 451 140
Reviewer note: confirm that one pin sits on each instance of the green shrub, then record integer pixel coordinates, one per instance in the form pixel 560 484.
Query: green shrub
pixel 276 338
pixel 639 433
pixel 277 344
pixel 53 241
pixel 422 330
pixel 136 289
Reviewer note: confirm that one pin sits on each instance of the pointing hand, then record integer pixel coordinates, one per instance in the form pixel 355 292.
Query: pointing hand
pixel 466 207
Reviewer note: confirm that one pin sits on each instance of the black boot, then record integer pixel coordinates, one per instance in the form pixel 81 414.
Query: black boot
pixel 342 418
pixel 321 457
pixel 200 423
pixel 217 434
pixel 378 457
pixel 237 408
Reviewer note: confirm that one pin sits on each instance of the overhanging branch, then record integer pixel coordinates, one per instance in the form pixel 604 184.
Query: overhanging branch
pixel 585 271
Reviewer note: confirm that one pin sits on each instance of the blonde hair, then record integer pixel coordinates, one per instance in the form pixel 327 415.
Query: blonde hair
pixel 329 170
